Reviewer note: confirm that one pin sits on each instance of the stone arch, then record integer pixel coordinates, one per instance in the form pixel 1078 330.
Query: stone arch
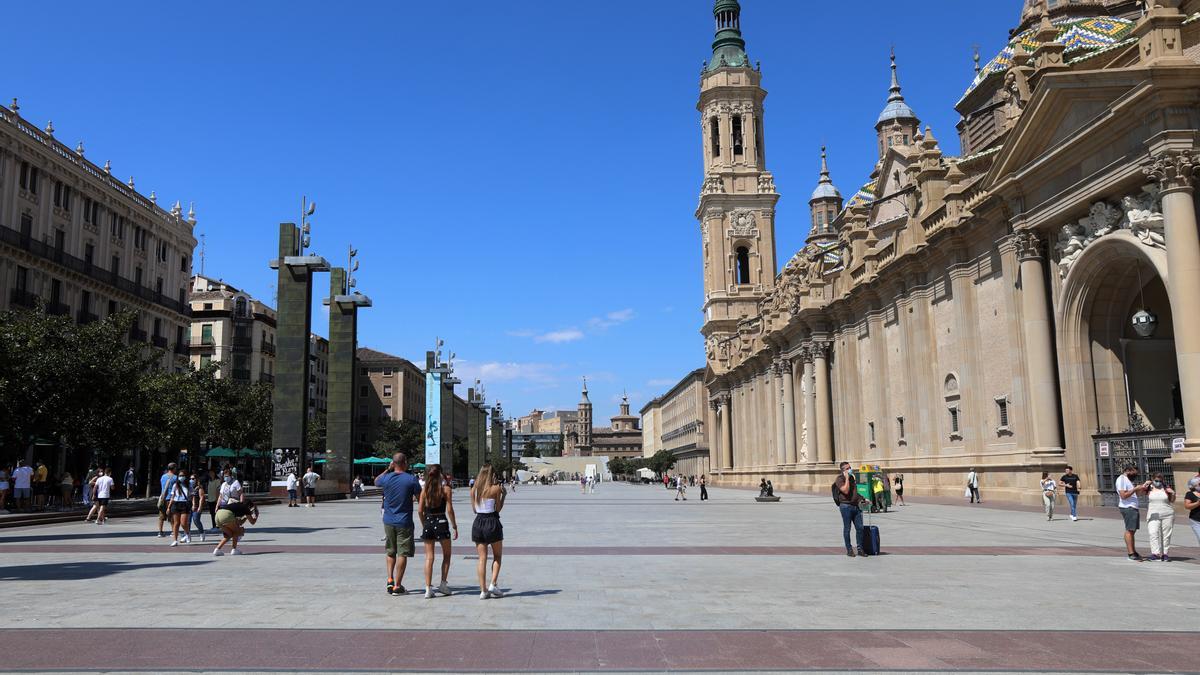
pixel 1091 316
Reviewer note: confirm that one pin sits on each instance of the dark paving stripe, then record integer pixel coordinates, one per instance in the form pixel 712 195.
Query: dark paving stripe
pixel 296 650
pixel 251 548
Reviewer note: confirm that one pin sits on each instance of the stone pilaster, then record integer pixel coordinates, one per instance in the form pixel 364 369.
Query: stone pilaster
pixel 1045 425
pixel 824 404
pixel 343 336
pixel 1174 170
pixel 789 413
pixel 810 405
pixel 777 404
pixel 293 323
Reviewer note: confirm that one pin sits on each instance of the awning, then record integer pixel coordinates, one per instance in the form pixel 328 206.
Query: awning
pixel 372 460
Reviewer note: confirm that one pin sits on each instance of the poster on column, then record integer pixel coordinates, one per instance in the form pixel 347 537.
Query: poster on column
pixel 433 418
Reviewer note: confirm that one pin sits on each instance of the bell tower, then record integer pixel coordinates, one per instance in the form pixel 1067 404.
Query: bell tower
pixel 737 198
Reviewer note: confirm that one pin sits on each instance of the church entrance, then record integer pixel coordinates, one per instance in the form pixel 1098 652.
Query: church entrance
pixel 1119 343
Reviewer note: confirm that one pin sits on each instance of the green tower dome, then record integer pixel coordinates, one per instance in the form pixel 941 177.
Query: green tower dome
pixel 729 49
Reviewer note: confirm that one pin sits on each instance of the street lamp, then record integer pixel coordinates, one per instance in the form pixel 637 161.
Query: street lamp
pixel 307 208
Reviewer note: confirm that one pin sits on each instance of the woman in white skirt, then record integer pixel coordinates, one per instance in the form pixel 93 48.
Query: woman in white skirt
pixel 1160 518
pixel 1049 486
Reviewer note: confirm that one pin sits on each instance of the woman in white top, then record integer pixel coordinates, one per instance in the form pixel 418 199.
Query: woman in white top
pixel 4 488
pixel 487 498
pixel 1160 518
pixel 1048 488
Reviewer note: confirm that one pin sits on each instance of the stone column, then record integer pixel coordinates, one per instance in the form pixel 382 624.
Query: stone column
pixel 727 430
pixel 824 413
pixel 810 405
pixel 339 419
pixel 1175 172
pixel 777 402
pixel 289 397
pixel 1045 429
pixel 789 413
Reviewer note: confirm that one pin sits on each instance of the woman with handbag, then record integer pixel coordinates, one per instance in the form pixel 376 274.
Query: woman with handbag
pixel 435 506
pixel 1049 486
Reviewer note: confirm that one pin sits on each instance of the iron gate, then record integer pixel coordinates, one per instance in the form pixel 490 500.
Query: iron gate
pixel 1147 450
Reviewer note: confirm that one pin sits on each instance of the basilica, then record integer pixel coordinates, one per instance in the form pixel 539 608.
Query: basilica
pixel 1030 304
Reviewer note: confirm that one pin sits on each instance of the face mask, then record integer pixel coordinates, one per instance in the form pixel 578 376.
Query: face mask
pixel 1158 483
pixel 228 479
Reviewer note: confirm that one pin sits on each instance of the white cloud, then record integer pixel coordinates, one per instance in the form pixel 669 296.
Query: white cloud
pixel 611 319
pixel 560 336
pixel 661 382
pixel 492 372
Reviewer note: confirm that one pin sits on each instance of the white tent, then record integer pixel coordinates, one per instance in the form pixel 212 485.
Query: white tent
pixel 645 473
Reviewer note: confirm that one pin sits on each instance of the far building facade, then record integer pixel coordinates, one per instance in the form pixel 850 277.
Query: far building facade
pixel 1031 303
pixel 677 422
pixel 318 375
pixel 231 328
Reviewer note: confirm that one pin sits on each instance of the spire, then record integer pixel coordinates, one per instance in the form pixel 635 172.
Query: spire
pixel 585 393
pixel 825 187
pixel 896 108
pixel 729 49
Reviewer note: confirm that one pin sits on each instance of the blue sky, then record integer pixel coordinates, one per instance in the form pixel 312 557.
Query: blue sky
pixel 519 178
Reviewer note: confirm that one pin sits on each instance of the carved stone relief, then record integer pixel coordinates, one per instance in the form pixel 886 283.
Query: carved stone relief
pixel 1140 214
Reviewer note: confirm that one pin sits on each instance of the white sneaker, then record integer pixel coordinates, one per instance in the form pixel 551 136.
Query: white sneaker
pixel 1074 518
pixel 160 535
pixel 495 592
pixel 444 589
pixel 236 551
pixel 428 592
pixel 483 595
pixel 202 537
pixel 175 543
pixel 217 551
pixel 187 539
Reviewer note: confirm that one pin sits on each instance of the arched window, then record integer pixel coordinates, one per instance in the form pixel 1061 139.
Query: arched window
pixel 742 273
pixel 714 135
pixel 240 308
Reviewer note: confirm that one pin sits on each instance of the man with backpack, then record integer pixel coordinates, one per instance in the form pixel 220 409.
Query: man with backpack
pixel 845 495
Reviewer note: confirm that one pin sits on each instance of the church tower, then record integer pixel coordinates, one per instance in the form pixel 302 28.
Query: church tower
pixel 583 447
pixel 824 205
pixel 737 199
pixel 897 124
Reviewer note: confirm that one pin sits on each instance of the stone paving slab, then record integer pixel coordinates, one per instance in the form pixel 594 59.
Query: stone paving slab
pixel 626 574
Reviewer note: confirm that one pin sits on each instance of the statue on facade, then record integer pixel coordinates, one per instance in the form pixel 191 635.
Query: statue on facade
pixel 1144 214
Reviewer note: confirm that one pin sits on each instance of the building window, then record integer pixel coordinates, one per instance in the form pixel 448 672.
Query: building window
pixel 900 427
pixel 1002 412
pixel 362 391
pixel 157 327
pixel 89 253
pixel 116 265
pixel 205 360
pixel 737 135
pixel 183 263
pixel 871 432
pixel 29 178
pixel 208 305
pixel 714 134
pixel 137 276
pixel 743 266
pixel 112 307
pixel 387 411
pixel 26 225
pixel 206 334
pixel 387 390
pixel 954 429
pixel 387 372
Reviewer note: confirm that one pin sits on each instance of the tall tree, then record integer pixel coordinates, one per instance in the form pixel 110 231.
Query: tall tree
pixel 404 436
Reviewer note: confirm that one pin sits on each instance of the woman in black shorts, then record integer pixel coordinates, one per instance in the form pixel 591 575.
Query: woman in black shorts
pixel 898 481
pixel 487 498
pixel 435 506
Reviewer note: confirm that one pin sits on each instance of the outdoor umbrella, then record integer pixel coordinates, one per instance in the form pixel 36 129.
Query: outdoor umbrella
pixel 372 460
pixel 418 465
pixel 221 452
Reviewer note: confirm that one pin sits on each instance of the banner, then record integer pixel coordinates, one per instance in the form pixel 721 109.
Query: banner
pixel 283 462
pixel 433 418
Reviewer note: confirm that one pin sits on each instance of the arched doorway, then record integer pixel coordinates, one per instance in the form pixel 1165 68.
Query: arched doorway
pixel 1120 388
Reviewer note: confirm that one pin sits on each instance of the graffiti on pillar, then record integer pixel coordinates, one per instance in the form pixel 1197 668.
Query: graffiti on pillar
pixel 283 462
pixel 433 418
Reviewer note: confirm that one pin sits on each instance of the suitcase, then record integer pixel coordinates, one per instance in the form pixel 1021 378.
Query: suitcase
pixel 871 540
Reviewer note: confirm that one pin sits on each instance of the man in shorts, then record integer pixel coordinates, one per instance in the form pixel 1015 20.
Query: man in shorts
pixel 292 484
pixel 400 490
pixel 1127 494
pixel 104 490
pixel 310 486
pixel 167 485
pixel 22 477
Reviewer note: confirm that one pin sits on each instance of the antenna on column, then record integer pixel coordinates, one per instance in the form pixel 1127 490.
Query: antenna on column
pixel 202 254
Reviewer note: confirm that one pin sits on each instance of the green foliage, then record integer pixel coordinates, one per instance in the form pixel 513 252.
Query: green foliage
pixel 530 449
pixel 404 436
pixel 316 435
pixel 502 467
pixel 93 390
pixel 661 462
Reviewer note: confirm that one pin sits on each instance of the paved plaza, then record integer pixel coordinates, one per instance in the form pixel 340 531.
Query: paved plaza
pixel 625 579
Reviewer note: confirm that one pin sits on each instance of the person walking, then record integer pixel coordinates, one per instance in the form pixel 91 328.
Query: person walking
pixel 101 489
pixel 1127 504
pixel 230 491
pixel 680 488
pixel 1160 517
pixel 199 502
pixel 231 520
pixel 310 486
pixel 845 495
pixel 180 510
pixel 22 485
pixel 356 488
pixel 436 509
pixel 1049 490
pixel 1191 502
pixel 88 480
pixel 292 485
pixel 400 488
pixel 973 486
pixel 211 492
pixel 487 499
pixel 166 484
pixel 130 482
pixel 1070 482
pixel 66 486
pixel 898 481
pixel 703 489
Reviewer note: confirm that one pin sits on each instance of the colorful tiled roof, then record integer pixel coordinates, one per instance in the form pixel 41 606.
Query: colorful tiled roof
pixel 865 195
pixel 1090 33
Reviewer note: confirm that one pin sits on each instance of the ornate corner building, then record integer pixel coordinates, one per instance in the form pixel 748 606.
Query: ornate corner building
pixel 1032 303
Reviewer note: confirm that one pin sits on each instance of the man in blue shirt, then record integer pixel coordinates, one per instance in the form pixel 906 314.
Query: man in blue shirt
pixel 400 489
pixel 167 484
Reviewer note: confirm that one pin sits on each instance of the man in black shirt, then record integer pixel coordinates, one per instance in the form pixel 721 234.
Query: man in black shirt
pixel 845 494
pixel 1071 481
pixel 1191 502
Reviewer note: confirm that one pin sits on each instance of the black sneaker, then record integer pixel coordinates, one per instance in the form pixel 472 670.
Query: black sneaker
pixel 850 552
pixel 399 590
pixel 1135 557
pixel 862 553
pixel 391 587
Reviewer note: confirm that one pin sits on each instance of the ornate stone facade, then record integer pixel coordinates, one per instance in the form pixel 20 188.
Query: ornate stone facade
pixel 983 311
